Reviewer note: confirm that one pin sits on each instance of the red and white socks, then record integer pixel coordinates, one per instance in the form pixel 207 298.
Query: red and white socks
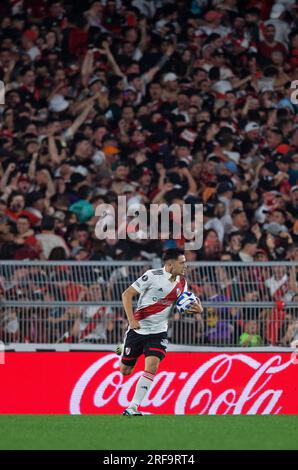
pixel 142 388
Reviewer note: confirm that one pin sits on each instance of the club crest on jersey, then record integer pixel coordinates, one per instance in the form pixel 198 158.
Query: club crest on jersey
pixel 127 351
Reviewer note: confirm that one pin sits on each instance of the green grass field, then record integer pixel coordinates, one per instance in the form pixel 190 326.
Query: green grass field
pixel 148 432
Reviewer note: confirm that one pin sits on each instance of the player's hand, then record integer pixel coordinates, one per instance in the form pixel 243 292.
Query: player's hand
pixel 196 307
pixel 134 325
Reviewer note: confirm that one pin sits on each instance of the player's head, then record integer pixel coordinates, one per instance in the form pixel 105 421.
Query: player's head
pixel 175 261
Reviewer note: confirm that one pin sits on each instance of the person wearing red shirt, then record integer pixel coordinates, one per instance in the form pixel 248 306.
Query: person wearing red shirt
pixel 25 235
pixel 16 208
pixel 269 45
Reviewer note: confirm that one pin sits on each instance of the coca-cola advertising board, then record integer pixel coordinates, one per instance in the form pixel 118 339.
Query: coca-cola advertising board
pixel 186 383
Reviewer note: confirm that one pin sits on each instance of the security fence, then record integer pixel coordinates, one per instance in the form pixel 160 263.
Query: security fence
pixel 245 304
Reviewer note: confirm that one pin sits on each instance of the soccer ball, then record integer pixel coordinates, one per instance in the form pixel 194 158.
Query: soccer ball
pixel 184 301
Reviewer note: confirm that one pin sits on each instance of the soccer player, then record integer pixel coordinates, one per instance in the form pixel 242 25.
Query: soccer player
pixel 147 332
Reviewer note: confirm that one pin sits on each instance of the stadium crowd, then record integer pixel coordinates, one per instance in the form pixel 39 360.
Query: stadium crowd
pixel 39 314
pixel 158 101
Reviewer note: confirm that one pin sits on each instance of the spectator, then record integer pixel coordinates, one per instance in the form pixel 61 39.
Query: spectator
pixel 25 235
pixel 239 220
pixel 93 321
pixel 62 140
pixel 249 247
pixel 9 325
pixel 250 337
pixel 161 103
pixel 48 239
pixel 276 324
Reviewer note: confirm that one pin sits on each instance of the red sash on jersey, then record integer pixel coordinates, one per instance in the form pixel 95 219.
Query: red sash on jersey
pixel 162 304
pixel 92 324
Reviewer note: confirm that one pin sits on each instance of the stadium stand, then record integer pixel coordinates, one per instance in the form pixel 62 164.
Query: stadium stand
pixel 165 101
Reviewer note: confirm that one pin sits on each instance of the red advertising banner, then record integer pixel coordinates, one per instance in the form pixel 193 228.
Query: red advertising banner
pixel 186 383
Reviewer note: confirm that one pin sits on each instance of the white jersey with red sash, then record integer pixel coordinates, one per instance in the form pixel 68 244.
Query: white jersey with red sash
pixel 157 297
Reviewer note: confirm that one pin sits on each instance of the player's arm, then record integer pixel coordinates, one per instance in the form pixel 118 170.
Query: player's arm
pixel 127 297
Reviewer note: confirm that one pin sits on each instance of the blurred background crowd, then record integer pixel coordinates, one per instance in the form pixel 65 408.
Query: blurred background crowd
pixel 94 313
pixel 158 101
pixel 187 101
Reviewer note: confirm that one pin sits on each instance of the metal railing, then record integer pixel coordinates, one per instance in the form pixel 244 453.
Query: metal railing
pixel 219 326
pixel 245 304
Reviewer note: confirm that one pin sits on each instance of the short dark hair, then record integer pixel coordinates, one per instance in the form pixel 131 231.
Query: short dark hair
pixel 172 253
pixel 132 76
pixel 48 223
pixel 24 217
pixel 281 211
pixel 253 11
pixel 276 131
pixel 249 239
